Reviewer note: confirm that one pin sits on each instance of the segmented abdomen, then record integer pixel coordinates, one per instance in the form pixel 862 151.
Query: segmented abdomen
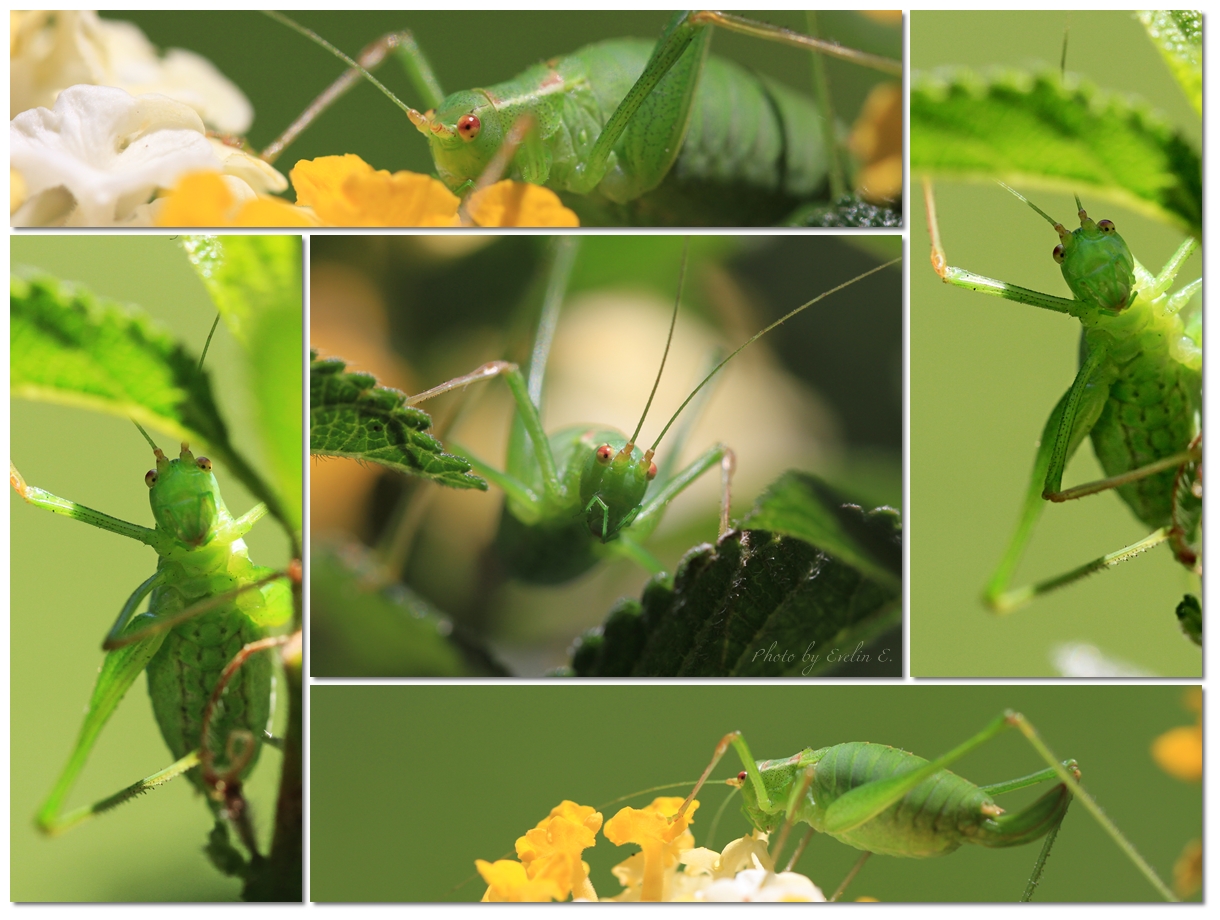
pixel 184 672
pixel 1150 414
pixel 933 819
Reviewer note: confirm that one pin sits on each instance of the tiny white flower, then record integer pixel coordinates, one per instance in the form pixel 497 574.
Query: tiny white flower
pixel 101 153
pixel 52 50
pixel 761 885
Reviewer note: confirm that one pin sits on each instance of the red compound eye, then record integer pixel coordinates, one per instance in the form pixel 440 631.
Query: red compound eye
pixel 468 127
pixel 1058 254
pixel 652 471
pixel 1106 226
pixel 150 478
pixel 605 453
pixel 741 776
pixel 204 464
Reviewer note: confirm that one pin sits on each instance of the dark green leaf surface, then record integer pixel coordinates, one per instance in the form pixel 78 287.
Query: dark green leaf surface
pixel 1035 130
pixel 73 348
pixel 255 282
pixel 1190 618
pixel 350 416
pixel 757 604
pixel 800 505
pixel 360 627
pixel 1178 35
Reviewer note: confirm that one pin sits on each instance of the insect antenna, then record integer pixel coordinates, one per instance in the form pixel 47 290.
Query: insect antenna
pixel 150 441
pixel 672 321
pixel 1050 220
pixel 350 62
pixel 759 335
pixel 208 343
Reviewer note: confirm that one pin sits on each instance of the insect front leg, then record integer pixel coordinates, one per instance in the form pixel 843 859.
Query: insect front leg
pixel 529 417
pixel 1071 420
pixel 719 455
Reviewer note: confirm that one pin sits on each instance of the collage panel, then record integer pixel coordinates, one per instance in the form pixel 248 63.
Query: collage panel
pixel 545 118
pixel 107 331
pixel 472 770
pixel 622 565
pixel 986 374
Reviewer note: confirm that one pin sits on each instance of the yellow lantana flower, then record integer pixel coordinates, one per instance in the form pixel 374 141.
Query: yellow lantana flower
pixel 661 839
pixel 345 191
pixel 208 199
pixel 507 881
pixel 1179 752
pixel 552 849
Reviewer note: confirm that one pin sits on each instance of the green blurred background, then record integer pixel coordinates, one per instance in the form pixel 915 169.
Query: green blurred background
pixel 69 582
pixel 411 784
pixel 986 373
pixel 821 394
pixel 282 72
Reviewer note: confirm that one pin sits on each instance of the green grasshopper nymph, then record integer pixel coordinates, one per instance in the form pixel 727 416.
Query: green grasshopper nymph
pixel 626 130
pixel 886 801
pixel 203 625
pixel 1137 394
pixel 587 492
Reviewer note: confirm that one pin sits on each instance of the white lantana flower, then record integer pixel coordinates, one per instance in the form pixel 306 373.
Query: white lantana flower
pixel 761 885
pixel 52 50
pixel 101 154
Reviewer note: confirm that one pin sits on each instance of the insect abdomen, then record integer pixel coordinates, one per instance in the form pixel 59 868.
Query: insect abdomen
pixel 933 819
pixel 184 672
pixel 1150 414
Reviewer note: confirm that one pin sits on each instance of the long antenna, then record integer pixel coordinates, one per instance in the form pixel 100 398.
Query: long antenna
pixel 672 321
pixel 319 40
pixel 150 441
pixel 759 335
pixel 1050 220
pixel 208 343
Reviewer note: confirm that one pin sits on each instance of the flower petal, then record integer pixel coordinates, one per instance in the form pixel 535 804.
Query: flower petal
pixel 110 149
pixel 519 204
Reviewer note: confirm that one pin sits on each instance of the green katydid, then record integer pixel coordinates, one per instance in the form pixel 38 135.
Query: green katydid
pixel 883 800
pixel 628 130
pixel 183 644
pixel 1137 393
pixel 585 492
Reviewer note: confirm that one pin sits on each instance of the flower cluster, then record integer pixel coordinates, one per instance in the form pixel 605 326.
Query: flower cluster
pixel 106 131
pixel 1179 752
pixel 551 868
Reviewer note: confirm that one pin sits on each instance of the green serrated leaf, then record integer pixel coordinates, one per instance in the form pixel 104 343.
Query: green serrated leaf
pixel 757 604
pixel 1190 618
pixel 350 416
pixel 255 282
pixel 1178 35
pixel 73 348
pixel 362 627
pixel 1036 130
pixel 801 505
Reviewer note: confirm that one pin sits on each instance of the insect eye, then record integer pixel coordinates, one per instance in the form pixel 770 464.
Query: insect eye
pixel 742 776
pixel 468 127
pixel 652 472
pixel 150 478
pixel 605 453
pixel 1106 226
pixel 204 464
pixel 1058 254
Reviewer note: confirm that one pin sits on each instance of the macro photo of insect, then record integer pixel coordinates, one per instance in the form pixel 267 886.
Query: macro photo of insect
pixel 577 786
pixel 1100 221
pixel 547 118
pixel 116 346
pixel 606 455
pixel 752 529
